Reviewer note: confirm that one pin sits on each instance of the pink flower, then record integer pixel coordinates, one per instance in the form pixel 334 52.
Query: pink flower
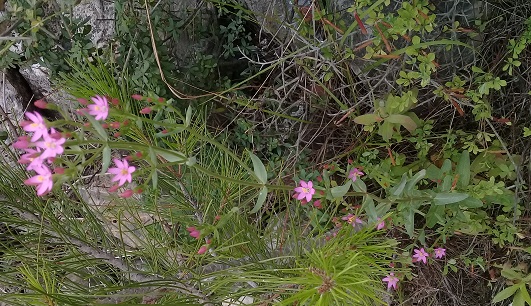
pixel 352 219
pixel 32 157
pixel 194 232
pixel 43 180
pixel 122 172
pixel 421 255
pixel 22 142
pixel 391 280
pixel 380 225
pixel 439 252
pixel 36 125
pixel 52 145
pixel 202 250
pixel 305 191
pixel 100 108
pixel 354 174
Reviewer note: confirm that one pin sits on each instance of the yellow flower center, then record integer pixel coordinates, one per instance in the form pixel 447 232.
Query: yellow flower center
pixel 351 219
pixel 125 172
pixel 305 190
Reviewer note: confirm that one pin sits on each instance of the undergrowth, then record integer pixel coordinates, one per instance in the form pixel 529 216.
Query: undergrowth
pixel 371 154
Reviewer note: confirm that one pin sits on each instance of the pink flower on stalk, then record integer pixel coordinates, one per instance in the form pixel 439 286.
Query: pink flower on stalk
pixel 391 280
pixel 194 232
pixel 35 125
pixel 32 157
pixel 421 255
pixel 43 180
pixel 352 219
pixel 305 191
pixel 100 108
pixel 380 225
pixel 122 172
pixel 52 144
pixel 354 174
pixel 439 252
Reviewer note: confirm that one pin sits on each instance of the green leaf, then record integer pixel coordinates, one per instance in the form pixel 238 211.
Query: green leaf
pixel 518 299
pixel 171 156
pixel 191 161
pixel 154 179
pixel 505 293
pixel 106 155
pixel 434 215
pixel 260 201
pixel 370 209
pixel 97 126
pixel 511 274
pixel 403 120
pixel 414 180
pixel 340 191
pixel 446 167
pixel 525 293
pixel 471 202
pixel 397 190
pixel 409 221
pixel 188 119
pixel 259 168
pixel 170 133
pixel 443 198
pixel 463 170
pixel 367 119
pixel 359 185
pixel 386 130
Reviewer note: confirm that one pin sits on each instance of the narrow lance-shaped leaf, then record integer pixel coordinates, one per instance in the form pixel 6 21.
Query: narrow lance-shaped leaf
pixel 106 155
pixel 188 118
pixel 403 120
pixel 340 191
pixel 367 119
pixel 444 198
pixel 259 168
pixel 97 126
pixel 171 156
pixel 260 201
pixel 505 294
pixel 463 170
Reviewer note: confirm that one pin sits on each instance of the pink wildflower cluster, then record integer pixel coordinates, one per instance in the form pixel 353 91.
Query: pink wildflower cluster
pixel 41 147
pixel 419 255
pixel 422 255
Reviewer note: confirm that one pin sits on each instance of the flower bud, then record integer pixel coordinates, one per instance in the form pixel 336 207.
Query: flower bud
pixel 82 101
pixel 137 97
pixel 146 110
pixel 40 104
pixel 127 194
pixel 202 250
